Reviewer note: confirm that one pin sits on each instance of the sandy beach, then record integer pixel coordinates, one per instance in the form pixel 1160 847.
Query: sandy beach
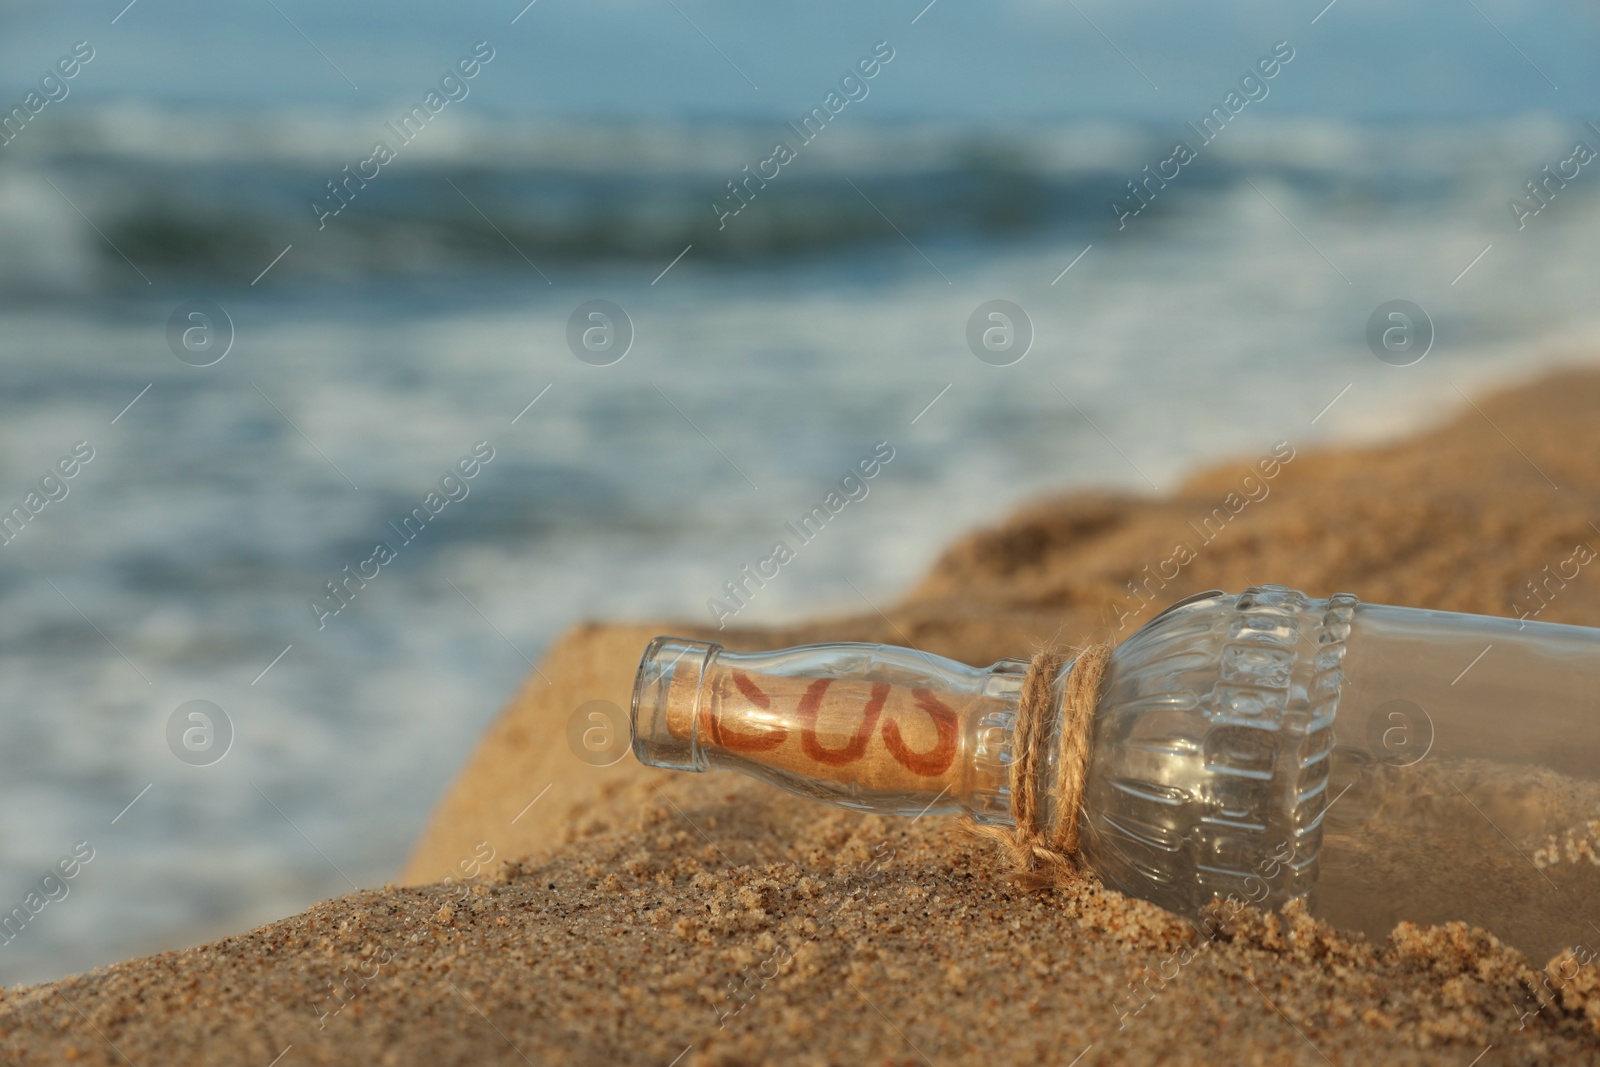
pixel 619 914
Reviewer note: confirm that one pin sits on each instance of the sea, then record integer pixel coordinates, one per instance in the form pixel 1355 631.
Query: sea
pixel 346 371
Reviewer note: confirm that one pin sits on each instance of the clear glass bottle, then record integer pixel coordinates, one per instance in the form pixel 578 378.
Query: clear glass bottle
pixel 1382 763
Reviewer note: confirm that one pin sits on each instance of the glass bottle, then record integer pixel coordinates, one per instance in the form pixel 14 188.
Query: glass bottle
pixel 1381 763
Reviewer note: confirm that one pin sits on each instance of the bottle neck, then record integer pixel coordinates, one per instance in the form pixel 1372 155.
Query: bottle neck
pixel 875 728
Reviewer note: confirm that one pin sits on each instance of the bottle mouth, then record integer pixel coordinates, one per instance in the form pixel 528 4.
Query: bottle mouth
pixel 666 703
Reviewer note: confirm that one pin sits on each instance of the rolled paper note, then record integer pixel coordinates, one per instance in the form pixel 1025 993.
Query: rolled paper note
pixel 871 735
pixel 895 724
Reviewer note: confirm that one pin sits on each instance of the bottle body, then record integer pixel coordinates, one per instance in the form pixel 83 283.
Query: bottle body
pixel 1383 764
pixel 1469 757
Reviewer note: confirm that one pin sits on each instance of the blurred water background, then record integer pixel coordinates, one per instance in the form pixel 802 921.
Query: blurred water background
pixel 776 351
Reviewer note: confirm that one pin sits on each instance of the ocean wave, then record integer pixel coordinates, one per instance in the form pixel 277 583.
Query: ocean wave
pixel 198 194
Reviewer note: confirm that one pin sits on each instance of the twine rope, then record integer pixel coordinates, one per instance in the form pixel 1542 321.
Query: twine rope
pixel 1042 855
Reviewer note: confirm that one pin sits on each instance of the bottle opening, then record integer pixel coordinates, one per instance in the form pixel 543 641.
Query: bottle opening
pixel 666 700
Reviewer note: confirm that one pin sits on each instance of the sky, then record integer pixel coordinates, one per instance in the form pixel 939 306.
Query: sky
pixel 1005 60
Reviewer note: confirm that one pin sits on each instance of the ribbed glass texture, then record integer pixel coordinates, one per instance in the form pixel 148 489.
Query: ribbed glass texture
pixel 1384 763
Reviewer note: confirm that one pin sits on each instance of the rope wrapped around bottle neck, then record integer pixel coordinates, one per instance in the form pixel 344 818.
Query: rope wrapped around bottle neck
pixel 1042 855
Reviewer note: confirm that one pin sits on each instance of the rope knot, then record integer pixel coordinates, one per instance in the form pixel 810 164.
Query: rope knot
pixel 1041 856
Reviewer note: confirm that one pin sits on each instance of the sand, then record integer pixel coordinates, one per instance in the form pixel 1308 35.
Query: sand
pixel 638 916
pixel 1412 843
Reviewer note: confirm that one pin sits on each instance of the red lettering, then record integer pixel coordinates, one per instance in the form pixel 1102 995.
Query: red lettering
pixel 936 760
pixel 734 741
pixel 811 703
pixel 751 693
